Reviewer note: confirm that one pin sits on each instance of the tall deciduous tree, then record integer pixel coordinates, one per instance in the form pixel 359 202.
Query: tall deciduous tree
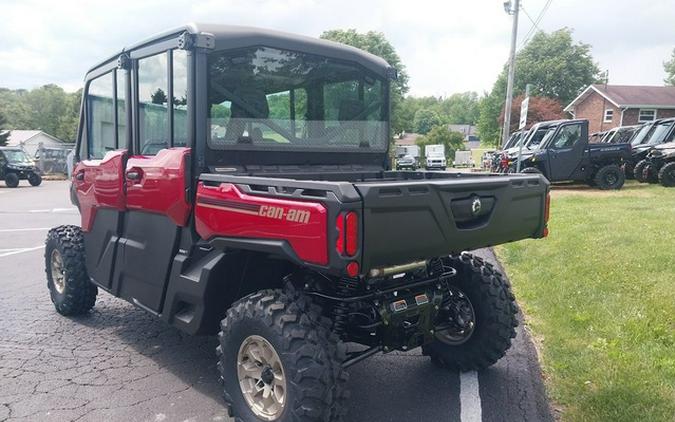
pixel 376 43
pixel 441 135
pixel 425 119
pixel 539 109
pixel 555 66
pixel 669 67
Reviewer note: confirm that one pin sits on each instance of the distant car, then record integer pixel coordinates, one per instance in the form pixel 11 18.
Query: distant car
pixel 407 162
pixel 15 165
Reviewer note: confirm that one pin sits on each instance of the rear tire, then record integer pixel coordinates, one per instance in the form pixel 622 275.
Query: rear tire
pixel 638 171
pixel 667 175
pixel 34 179
pixel 609 177
pixel 495 313
pixel 69 287
pixel 11 180
pixel 304 350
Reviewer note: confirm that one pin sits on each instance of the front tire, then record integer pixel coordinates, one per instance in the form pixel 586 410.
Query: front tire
pixel 609 177
pixel 34 179
pixel 294 378
pixel 667 175
pixel 494 309
pixel 11 180
pixel 69 287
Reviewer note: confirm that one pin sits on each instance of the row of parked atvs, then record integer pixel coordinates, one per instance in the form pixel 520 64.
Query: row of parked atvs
pixel 562 150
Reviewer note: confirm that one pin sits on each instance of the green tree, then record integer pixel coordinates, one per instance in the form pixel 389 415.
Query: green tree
pixel 4 130
pixel 452 141
pixel 425 119
pixel 555 66
pixel 669 67
pixel 376 43
pixel 158 97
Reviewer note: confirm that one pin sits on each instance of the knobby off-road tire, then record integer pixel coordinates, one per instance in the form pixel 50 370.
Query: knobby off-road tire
pixel 609 177
pixel 495 313
pixel 639 171
pixel 309 355
pixel 69 287
pixel 11 180
pixel 34 179
pixel 667 175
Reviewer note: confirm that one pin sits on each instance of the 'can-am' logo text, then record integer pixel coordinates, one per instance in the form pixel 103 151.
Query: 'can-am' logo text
pixel 293 215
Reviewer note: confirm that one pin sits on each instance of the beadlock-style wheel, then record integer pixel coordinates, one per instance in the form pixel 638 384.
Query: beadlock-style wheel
pixel 58 271
pixel 261 378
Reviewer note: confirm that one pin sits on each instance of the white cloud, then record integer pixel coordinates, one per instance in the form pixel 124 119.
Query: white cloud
pixel 447 46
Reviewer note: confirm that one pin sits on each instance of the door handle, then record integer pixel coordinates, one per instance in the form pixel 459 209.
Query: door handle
pixel 134 174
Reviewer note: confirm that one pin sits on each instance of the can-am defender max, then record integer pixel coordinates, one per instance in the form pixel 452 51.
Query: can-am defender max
pixel 15 166
pixel 235 181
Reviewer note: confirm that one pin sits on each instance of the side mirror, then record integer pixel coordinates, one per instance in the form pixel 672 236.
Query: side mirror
pixel 392 74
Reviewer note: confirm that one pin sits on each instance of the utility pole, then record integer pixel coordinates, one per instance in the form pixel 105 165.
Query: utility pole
pixel 512 67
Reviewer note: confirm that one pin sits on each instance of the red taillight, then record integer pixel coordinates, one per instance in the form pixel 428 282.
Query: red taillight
pixel 547 213
pixel 353 269
pixel 347 225
pixel 340 242
pixel 351 233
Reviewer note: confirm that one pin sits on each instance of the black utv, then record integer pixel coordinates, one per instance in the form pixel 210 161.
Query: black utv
pixel 660 165
pixel 566 155
pixel 660 132
pixel 15 165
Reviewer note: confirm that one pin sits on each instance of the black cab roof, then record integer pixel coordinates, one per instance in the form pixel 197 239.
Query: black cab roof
pixel 232 37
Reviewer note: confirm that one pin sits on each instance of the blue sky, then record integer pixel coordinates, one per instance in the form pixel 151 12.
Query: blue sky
pixel 447 46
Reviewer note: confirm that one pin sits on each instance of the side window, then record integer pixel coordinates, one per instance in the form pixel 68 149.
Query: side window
pixel 153 115
pixel 568 136
pixel 179 98
pixel 100 117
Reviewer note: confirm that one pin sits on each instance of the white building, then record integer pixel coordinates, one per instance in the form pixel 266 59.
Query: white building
pixel 30 140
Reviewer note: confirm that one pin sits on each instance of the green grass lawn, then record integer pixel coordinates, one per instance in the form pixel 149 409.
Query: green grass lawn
pixel 599 298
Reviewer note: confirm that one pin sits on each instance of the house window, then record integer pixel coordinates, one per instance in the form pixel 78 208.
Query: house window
pixel 647 115
pixel 609 113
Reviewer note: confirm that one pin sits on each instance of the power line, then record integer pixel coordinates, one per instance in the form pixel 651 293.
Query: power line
pixel 535 24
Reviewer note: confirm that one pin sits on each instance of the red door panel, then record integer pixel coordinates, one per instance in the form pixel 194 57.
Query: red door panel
pixel 157 184
pixel 226 211
pixel 99 184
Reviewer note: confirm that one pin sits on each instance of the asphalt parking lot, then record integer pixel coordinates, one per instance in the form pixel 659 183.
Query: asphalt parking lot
pixel 120 364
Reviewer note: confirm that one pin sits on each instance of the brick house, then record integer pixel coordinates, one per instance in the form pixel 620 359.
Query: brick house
pixel 608 106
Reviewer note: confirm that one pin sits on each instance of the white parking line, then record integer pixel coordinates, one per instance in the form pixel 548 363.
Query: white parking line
pixel 8 252
pixel 469 397
pixel 31 229
pixel 53 210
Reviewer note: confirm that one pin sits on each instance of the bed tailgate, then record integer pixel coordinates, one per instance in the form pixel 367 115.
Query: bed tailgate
pixel 411 220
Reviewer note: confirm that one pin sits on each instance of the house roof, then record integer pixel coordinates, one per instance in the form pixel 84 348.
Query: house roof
pixel 19 137
pixel 630 96
pixel 467 130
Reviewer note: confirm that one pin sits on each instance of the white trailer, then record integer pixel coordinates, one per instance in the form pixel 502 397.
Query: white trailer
pixel 463 159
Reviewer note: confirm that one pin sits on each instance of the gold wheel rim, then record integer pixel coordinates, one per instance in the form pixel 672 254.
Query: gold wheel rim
pixel 58 271
pixel 261 378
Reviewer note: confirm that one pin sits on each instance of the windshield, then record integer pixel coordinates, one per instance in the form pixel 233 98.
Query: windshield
pixel 17 156
pixel 659 132
pixel 641 135
pixel 265 98
pixel 539 137
pixel 513 140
